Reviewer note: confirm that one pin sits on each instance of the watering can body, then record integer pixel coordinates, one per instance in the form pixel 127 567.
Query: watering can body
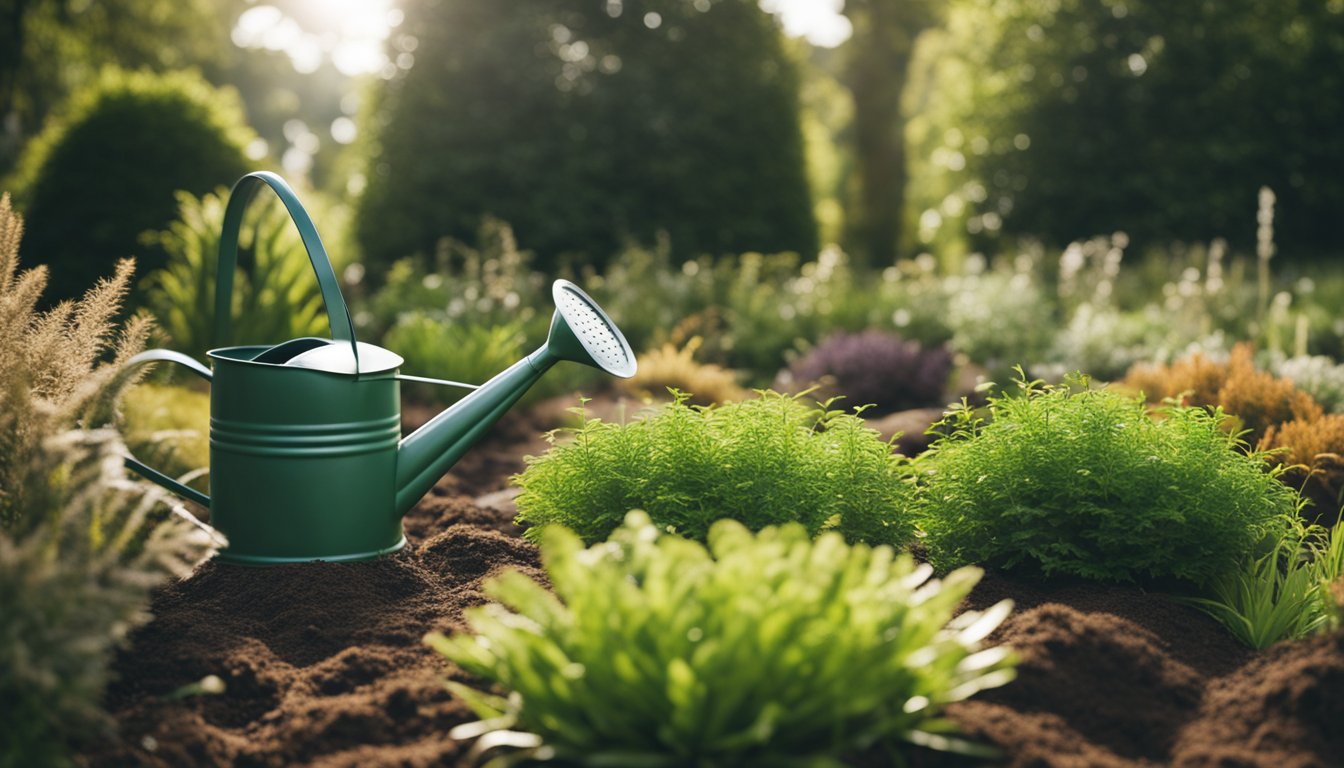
pixel 302 462
pixel 307 461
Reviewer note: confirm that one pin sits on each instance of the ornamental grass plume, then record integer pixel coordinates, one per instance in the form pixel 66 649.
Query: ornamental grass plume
pixel 81 546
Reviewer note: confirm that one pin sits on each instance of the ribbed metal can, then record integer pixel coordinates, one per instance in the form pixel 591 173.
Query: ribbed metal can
pixel 303 463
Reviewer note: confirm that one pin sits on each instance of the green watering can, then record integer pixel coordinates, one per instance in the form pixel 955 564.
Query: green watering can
pixel 307 461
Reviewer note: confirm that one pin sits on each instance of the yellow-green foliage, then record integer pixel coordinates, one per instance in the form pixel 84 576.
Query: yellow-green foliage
pixel 274 300
pixel 169 429
pixel 80 545
pixel 767 649
pixel 671 368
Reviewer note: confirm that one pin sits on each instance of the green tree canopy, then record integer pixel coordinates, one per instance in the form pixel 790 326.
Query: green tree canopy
pixel 584 123
pixel 1067 118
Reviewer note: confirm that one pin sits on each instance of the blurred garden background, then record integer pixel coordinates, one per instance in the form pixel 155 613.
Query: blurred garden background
pixel 914 194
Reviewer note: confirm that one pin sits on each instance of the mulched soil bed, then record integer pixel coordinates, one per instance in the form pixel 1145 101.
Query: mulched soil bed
pixel 324 664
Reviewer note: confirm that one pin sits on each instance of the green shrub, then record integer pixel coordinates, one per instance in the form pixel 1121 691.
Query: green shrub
pixel 275 299
pixel 612 129
pixel 105 172
pixel 763 461
pixel 81 547
pixel 1075 481
pixel 769 649
pixel 492 284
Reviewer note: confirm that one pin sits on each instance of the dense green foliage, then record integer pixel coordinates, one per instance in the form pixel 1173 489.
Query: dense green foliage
pixel 1066 119
pixel 1285 594
pixel 106 171
pixel 584 124
pixel 81 547
pixel 274 299
pixel 763 461
pixel 760 650
pixel 1075 481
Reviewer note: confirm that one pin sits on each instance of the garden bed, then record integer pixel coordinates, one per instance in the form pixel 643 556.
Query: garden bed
pixel 324 664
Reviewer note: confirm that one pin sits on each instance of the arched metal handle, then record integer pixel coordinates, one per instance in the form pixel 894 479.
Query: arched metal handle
pixel 338 315
pixel 139 467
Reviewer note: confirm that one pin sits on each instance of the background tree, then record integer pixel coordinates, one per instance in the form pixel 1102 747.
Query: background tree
pixel 876 72
pixel 1160 119
pixel 106 170
pixel 52 48
pixel 586 123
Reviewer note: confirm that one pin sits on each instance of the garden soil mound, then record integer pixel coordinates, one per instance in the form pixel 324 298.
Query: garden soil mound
pixel 324 666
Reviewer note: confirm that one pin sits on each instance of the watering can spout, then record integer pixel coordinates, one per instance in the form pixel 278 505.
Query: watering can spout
pixel 580 332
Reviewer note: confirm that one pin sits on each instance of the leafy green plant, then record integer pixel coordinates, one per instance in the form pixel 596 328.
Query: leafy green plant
pixel 763 461
pixel 1286 594
pixel 1072 480
pixel 80 545
pixel 274 299
pixel 766 649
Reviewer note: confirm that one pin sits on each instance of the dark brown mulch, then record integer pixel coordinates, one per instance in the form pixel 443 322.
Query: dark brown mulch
pixel 324 664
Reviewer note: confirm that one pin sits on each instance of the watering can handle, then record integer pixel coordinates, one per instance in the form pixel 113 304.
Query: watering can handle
pixel 338 315
pixel 139 467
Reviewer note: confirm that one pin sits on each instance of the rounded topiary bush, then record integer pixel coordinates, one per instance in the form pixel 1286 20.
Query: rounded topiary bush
pixel 876 368
pixel 105 172
pixel 1075 481
pixel 764 461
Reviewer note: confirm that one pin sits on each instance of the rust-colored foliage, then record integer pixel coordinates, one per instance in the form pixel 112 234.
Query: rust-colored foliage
pixel 1260 399
pixel 1313 450
pixel 1195 378
pixel 1257 398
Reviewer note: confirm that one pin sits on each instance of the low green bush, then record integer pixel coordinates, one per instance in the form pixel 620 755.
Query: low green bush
pixel 759 650
pixel 1071 480
pixel 763 461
